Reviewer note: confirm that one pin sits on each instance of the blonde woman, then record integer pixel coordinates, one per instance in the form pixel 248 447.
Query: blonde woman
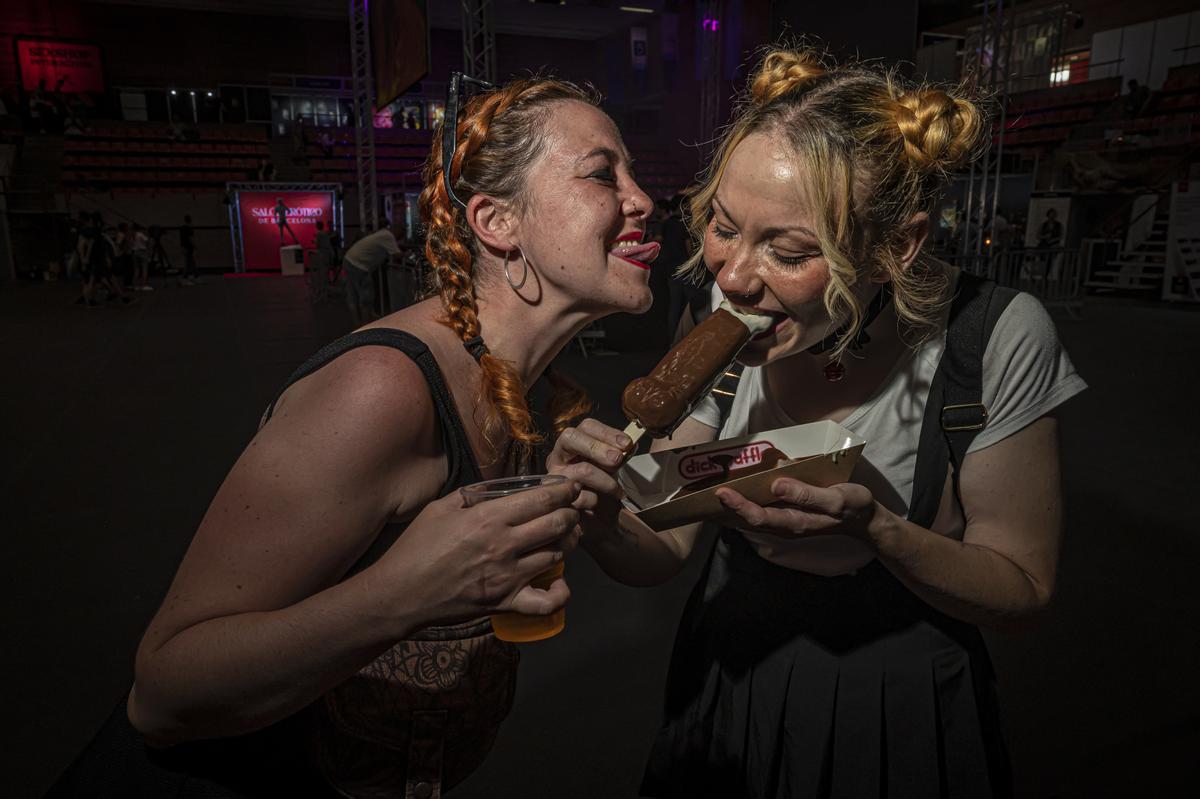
pixel 831 647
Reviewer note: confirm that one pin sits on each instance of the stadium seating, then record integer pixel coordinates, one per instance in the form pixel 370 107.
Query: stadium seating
pixel 154 157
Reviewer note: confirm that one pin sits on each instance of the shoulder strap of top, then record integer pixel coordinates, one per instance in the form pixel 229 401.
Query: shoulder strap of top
pixel 461 466
pixel 954 411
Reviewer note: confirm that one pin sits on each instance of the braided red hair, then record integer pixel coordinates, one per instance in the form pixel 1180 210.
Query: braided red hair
pixel 500 135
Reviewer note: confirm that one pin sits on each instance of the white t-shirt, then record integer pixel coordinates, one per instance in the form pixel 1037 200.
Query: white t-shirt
pixel 373 251
pixel 1026 373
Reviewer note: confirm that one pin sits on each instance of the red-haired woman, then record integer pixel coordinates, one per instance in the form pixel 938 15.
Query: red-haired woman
pixel 328 625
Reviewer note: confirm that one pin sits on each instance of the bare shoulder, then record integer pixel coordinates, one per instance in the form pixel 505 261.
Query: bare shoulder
pixel 348 447
pixel 377 388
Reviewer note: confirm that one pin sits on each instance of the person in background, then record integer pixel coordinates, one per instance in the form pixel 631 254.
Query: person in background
pixel 72 263
pixel 85 243
pixel 1138 97
pixel 97 251
pixel 187 242
pixel 159 260
pixel 1001 232
pixel 299 138
pixel 123 258
pixel 141 261
pixel 322 262
pixel 360 264
pixel 325 142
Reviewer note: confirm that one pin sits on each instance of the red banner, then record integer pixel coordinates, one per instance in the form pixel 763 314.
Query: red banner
pixel 262 233
pixel 60 66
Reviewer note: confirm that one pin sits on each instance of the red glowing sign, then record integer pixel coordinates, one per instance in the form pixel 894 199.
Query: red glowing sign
pixel 262 235
pixel 60 66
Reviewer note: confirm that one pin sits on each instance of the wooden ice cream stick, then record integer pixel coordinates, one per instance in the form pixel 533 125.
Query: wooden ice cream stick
pixel 635 431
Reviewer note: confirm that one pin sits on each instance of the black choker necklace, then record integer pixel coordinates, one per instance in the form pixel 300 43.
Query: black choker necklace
pixel 834 371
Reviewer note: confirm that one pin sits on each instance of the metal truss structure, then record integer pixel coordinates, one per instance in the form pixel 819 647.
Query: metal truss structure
pixel 708 16
pixel 479 40
pixel 1006 53
pixel 364 114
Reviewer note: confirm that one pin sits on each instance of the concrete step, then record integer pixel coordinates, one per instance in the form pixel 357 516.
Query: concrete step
pixel 1134 269
pixel 1128 286
pixel 1139 258
pixel 1131 273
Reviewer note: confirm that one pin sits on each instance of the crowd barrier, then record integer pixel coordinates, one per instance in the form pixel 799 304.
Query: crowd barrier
pixel 1055 276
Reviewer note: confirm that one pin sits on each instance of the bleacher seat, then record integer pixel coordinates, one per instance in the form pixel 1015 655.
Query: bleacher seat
pixel 145 156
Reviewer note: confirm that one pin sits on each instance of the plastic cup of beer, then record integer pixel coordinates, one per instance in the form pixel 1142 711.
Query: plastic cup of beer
pixel 519 627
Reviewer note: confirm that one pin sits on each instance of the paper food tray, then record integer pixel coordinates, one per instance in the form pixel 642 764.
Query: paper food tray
pixel 827 453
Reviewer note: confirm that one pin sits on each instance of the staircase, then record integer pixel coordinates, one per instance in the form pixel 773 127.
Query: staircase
pixel 1139 269
pixel 1185 283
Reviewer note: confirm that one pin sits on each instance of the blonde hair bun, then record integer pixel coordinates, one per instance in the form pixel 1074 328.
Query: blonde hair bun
pixel 939 131
pixel 782 71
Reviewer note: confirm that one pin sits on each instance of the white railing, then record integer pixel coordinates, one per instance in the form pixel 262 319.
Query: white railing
pixel 1055 276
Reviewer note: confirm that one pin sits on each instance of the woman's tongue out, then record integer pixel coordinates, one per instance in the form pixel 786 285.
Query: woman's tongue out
pixel 629 248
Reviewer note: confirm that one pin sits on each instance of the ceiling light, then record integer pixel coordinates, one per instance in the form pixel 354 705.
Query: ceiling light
pixel 638 9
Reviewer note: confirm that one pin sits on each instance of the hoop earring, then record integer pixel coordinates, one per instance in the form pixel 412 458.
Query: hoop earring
pixel 524 274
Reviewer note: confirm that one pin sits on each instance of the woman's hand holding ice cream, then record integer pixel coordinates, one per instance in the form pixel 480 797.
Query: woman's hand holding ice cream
pixel 591 454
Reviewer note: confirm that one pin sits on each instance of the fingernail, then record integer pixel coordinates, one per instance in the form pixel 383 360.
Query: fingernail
pixel 613 456
pixel 778 488
pixel 624 440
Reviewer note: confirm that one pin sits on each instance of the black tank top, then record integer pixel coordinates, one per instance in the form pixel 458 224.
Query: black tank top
pixel 426 711
pixel 383 722
pixel 461 466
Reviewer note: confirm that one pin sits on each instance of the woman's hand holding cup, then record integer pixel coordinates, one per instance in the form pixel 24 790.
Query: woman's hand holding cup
pixel 474 560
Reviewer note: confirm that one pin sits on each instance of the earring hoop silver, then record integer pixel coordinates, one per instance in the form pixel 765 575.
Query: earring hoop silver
pixel 524 273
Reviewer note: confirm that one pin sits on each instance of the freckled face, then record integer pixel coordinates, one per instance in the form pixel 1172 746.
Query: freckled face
pixel 585 215
pixel 761 249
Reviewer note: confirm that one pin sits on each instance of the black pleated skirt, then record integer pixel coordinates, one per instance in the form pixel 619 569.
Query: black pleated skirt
pixel 787 684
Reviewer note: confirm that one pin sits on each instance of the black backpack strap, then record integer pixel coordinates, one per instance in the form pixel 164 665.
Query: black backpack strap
pixel 954 411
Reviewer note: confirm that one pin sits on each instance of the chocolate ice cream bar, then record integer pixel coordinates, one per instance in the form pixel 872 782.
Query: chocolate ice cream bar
pixel 659 402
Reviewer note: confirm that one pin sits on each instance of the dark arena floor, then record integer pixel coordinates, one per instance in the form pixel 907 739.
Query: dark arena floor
pixel 121 423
